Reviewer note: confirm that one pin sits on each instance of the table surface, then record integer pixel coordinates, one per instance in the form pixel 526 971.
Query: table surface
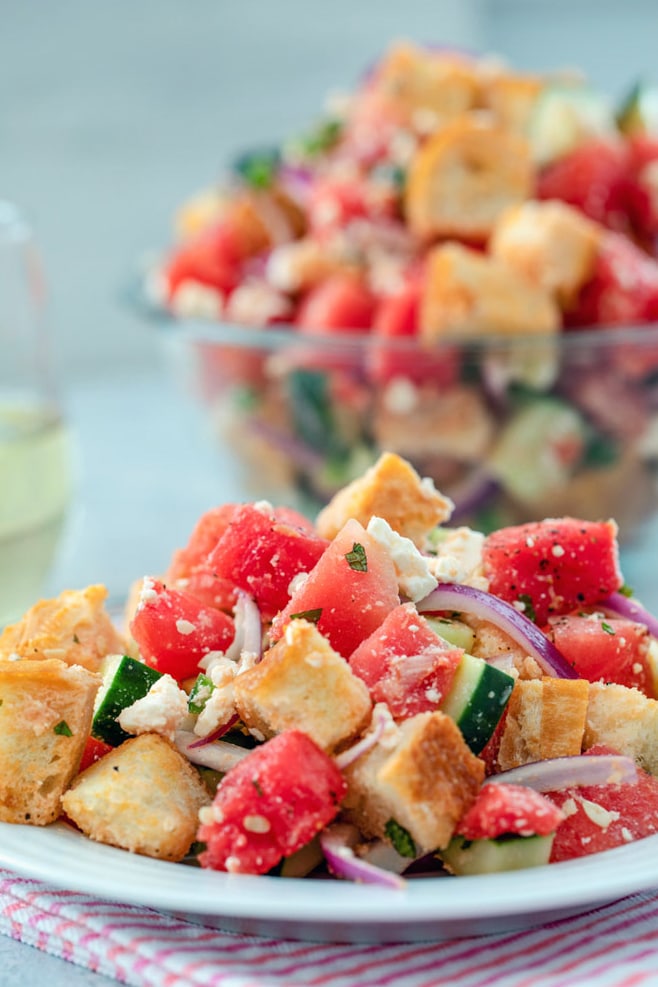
pixel 148 466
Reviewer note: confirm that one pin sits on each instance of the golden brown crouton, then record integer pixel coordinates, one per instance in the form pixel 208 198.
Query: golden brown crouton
pixel 303 684
pixel 551 244
pixel 392 490
pixel 469 294
pixel 45 716
pixel 625 720
pixel 464 177
pixel 144 797
pixel 425 780
pixel 511 98
pixel 545 718
pixel 74 627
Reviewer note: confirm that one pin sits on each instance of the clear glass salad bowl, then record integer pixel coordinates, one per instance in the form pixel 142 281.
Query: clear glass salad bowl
pixel 512 429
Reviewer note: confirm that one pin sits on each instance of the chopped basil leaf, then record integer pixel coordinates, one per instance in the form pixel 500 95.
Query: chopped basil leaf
pixel 607 628
pixel 357 559
pixel 625 590
pixel 258 168
pixel 400 838
pixel 311 615
pixel 62 729
pixel 528 607
pixel 200 693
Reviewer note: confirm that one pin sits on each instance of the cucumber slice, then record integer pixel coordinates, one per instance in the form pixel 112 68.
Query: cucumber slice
pixel 565 116
pixel 539 449
pixel 301 863
pixel 463 856
pixel 477 699
pixel 453 631
pixel 124 681
pixel 200 693
pixel 638 115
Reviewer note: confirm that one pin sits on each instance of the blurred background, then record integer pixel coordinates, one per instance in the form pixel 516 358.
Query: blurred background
pixel 112 114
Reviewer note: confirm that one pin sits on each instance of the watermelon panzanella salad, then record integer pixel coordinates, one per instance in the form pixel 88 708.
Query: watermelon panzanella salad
pixel 374 696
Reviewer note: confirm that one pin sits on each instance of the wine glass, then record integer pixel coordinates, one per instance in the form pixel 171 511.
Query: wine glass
pixel 35 448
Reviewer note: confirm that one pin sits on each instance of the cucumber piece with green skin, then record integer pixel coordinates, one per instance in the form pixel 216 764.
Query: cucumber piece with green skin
pixel 125 680
pixel 539 450
pixel 509 852
pixel 565 116
pixel 477 699
pixel 455 632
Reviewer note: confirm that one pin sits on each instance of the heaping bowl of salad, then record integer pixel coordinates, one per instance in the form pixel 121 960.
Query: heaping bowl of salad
pixel 376 698
pixel 456 264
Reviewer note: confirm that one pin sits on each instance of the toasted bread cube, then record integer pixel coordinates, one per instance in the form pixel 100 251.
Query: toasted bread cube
pixel 424 89
pixel 303 684
pixel 551 244
pixel 455 424
pixel 143 796
pixel 46 709
pixel 469 294
pixel 425 782
pixel 545 718
pixel 392 490
pixel 464 176
pixel 74 627
pixel 512 97
pixel 625 720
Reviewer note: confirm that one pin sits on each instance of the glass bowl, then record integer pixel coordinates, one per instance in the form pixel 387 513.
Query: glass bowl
pixel 511 429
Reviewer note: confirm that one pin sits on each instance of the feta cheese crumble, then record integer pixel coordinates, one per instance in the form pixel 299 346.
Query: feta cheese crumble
pixel 414 577
pixel 162 710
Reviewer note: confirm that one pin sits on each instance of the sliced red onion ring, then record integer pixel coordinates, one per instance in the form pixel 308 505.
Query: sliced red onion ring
pixel 629 609
pixel 336 841
pixel 467 599
pixel 557 773
pixel 248 630
pixel 216 734
pixel 380 720
pixel 219 755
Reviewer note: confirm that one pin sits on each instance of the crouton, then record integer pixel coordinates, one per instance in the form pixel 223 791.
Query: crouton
pixel 551 244
pixel 425 781
pixel 46 709
pixel 303 684
pixel 143 796
pixel 392 490
pixel 463 177
pixel 455 424
pixel 625 720
pixel 469 294
pixel 74 627
pixel 545 718
pixel 424 89
pixel 511 98
pixel 491 642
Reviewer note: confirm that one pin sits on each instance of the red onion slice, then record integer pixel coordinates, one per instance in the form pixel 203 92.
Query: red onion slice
pixel 380 720
pixel 485 606
pixel 248 629
pixel 219 755
pixel 216 734
pixel 557 773
pixel 342 861
pixel 629 609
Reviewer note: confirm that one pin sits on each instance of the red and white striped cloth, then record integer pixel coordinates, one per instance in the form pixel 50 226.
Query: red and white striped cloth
pixel 612 946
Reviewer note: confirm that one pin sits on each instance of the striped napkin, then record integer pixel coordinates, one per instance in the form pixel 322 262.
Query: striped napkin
pixel 612 946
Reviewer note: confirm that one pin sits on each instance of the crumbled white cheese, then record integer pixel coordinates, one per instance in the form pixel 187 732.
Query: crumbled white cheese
pixel 414 577
pixel 459 558
pixel 256 304
pixel 600 817
pixel 219 709
pixel 194 300
pixel 263 507
pixel 147 591
pixel 400 396
pixel 162 710
pixel 297 582
pixel 185 627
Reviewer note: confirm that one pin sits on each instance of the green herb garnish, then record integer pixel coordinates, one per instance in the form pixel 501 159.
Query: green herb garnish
pixel 259 168
pixel 400 838
pixel 356 559
pixel 607 628
pixel 625 590
pixel 311 615
pixel 62 729
pixel 200 693
pixel 528 606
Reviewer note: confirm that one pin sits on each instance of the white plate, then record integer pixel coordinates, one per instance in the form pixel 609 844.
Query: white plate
pixel 430 908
